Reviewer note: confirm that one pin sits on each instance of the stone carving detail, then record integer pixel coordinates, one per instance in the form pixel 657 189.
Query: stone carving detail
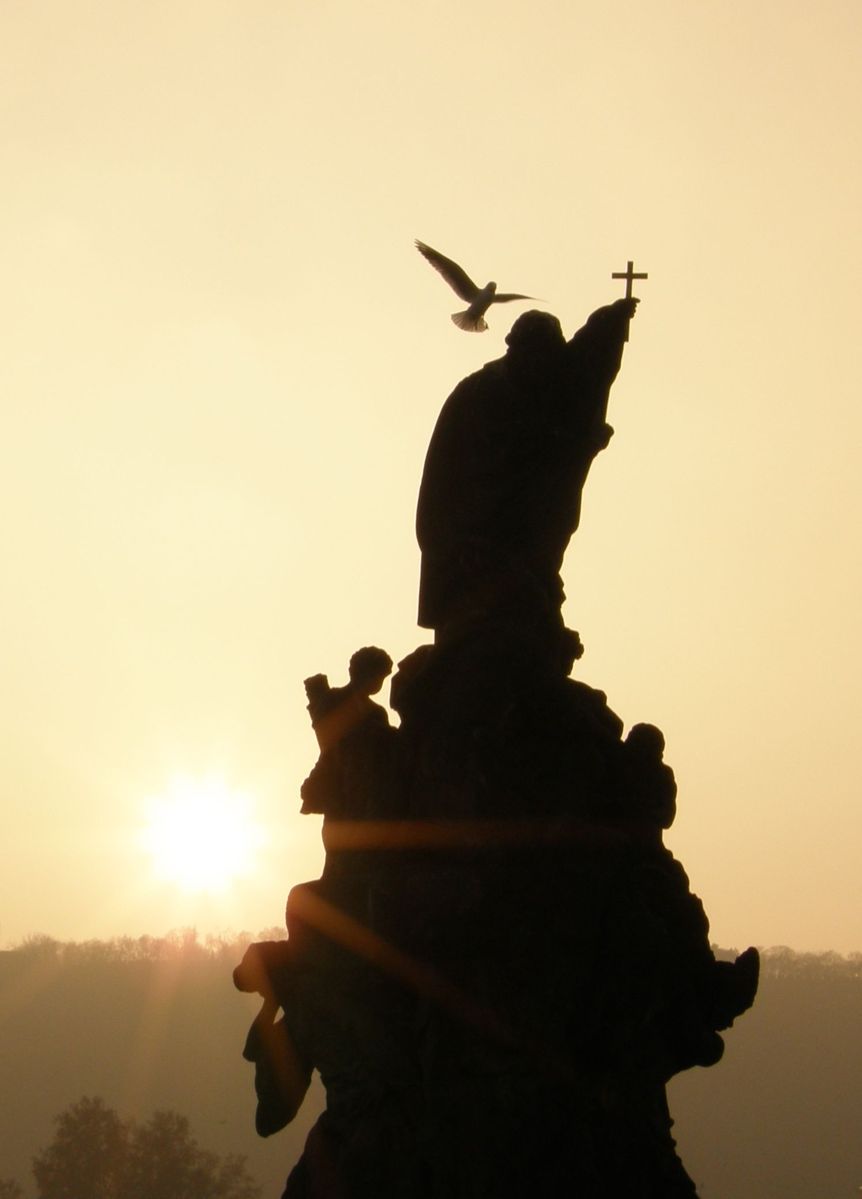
pixel 502 965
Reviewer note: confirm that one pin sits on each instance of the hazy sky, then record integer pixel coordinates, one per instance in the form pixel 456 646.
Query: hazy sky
pixel 223 359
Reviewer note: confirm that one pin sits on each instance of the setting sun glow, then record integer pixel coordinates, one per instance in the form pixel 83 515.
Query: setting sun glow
pixel 201 835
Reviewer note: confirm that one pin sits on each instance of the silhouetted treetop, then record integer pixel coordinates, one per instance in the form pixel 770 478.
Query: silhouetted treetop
pixel 97 1154
pixel 182 943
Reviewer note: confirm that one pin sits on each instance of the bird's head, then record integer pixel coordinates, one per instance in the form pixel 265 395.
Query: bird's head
pixel 491 287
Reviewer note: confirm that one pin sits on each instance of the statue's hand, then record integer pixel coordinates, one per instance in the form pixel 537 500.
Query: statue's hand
pixel 622 310
pixel 316 687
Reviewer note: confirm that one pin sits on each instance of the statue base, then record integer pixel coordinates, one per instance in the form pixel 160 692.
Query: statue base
pixel 502 966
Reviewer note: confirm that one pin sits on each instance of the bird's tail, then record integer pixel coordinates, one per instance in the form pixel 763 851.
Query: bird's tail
pixel 470 324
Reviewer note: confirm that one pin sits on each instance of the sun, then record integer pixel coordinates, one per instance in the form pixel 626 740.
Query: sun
pixel 201 835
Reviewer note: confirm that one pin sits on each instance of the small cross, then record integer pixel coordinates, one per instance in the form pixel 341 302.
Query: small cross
pixel 628 274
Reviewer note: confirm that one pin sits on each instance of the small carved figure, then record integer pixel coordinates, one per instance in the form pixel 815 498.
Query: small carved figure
pixel 353 778
pixel 337 711
pixel 281 1072
pixel 647 782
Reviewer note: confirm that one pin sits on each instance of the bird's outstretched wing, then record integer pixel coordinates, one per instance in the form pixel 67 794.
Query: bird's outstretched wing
pixel 502 296
pixel 455 276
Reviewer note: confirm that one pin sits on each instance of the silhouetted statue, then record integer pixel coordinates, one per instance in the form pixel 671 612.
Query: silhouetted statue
pixel 282 1072
pixel 501 489
pixel 353 778
pixel 337 711
pixel 502 965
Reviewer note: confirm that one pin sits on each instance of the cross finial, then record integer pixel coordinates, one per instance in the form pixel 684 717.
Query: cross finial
pixel 629 275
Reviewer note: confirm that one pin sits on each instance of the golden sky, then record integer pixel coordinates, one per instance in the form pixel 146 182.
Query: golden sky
pixel 223 359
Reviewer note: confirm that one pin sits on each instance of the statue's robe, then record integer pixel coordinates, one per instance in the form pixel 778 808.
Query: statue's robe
pixel 501 489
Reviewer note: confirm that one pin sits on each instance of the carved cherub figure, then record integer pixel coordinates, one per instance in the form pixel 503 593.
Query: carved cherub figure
pixel 337 711
pixel 352 776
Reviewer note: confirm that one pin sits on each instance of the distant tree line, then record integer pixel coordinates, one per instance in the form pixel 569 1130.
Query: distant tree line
pixel 777 962
pixel 183 943
pixel 781 962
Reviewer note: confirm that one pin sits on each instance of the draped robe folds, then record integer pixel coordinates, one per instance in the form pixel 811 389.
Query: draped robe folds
pixel 500 495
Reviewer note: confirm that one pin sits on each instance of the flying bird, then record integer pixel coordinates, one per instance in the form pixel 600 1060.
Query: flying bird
pixel 480 299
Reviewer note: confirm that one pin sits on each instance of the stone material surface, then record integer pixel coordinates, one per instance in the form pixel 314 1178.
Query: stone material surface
pixel 502 965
